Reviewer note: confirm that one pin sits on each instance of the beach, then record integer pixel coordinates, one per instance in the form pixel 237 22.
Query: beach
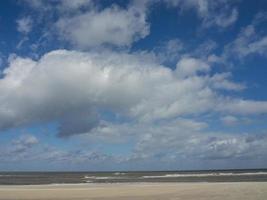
pixel 137 191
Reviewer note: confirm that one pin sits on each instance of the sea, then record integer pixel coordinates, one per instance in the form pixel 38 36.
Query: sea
pixel 36 178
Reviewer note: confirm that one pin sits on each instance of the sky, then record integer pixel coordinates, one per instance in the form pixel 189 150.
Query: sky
pixel 133 85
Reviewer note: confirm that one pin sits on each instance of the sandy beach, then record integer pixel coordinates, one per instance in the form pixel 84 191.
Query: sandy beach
pixel 136 191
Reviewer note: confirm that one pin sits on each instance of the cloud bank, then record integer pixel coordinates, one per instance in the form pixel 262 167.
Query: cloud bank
pixel 76 89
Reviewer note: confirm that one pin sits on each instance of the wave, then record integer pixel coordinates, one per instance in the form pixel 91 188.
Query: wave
pixel 205 175
pixel 102 177
pixel 119 173
pixel 177 175
pixel 6 175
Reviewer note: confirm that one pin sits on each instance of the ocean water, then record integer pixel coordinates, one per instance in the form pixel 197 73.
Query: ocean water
pixel 28 178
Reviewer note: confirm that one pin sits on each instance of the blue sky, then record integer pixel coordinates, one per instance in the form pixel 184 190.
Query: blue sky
pixel 133 85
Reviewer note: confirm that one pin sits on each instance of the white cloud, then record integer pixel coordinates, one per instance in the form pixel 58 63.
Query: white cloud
pixel 114 26
pixel 59 5
pixel 87 23
pixel 26 140
pixel 225 19
pixel 229 120
pixel 24 25
pixel 170 141
pixel 243 107
pixel 121 132
pixel 175 141
pixel 204 49
pixel 75 88
pixel 19 147
pixel 73 5
pixel 250 40
pixel 27 148
pixel 191 66
pixel 221 13
pixel 221 81
pixel 169 51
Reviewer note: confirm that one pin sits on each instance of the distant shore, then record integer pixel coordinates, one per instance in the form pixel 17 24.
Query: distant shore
pixel 138 191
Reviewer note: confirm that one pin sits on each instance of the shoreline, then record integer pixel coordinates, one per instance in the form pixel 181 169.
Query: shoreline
pixel 129 183
pixel 126 183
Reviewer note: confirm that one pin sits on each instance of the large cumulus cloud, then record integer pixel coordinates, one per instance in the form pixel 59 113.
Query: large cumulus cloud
pixel 75 89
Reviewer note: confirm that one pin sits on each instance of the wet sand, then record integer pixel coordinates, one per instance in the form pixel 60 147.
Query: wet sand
pixel 139 191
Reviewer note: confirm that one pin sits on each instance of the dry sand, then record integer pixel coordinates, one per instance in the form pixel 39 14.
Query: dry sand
pixel 136 191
